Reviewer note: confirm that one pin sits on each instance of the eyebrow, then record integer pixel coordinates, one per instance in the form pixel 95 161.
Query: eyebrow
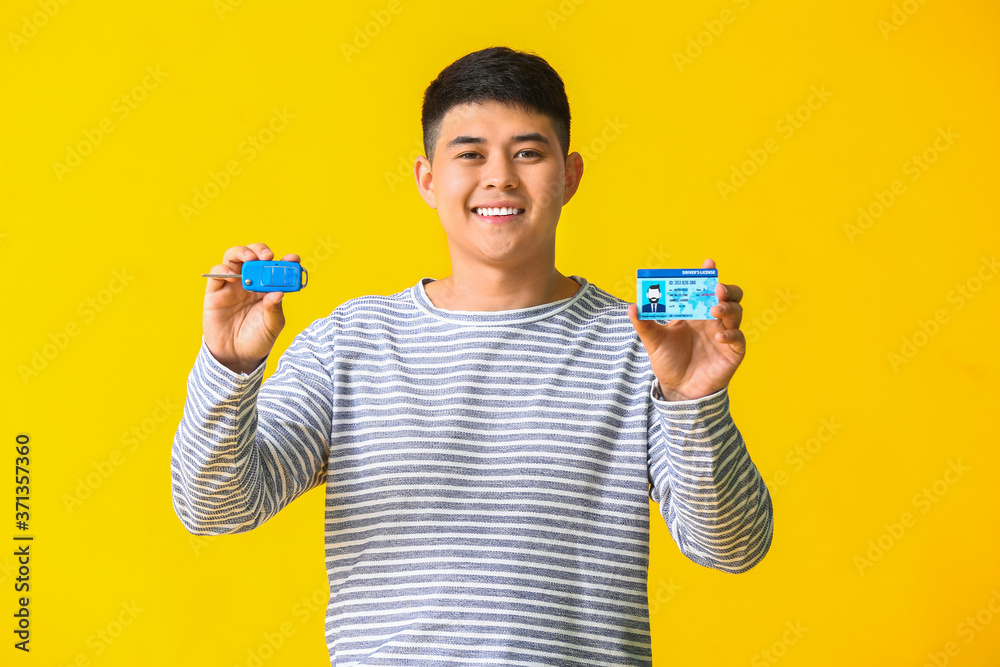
pixel 463 139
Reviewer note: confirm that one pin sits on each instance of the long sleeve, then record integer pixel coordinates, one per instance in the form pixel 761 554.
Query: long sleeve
pixel 711 495
pixel 245 449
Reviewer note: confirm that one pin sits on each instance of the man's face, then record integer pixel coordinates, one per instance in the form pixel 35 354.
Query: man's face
pixel 653 294
pixel 489 155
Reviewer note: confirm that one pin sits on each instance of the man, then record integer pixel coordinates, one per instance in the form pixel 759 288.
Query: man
pixel 653 296
pixel 489 441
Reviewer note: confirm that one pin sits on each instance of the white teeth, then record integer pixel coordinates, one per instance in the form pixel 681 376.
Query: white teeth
pixel 498 211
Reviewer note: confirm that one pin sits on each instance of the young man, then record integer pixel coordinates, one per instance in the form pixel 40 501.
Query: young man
pixel 489 441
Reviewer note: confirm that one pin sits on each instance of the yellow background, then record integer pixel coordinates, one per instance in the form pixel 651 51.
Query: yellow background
pixel 831 307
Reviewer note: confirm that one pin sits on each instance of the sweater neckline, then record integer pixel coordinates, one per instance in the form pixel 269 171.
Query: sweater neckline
pixel 495 317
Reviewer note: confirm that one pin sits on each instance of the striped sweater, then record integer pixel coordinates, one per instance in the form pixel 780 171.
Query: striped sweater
pixel 488 476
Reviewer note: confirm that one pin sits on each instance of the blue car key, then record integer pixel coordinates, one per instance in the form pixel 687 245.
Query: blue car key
pixel 268 276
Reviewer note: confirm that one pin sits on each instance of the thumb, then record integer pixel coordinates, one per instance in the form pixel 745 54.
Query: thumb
pixel 644 328
pixel 274 316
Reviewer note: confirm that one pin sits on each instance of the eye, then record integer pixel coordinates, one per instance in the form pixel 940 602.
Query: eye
pixel 528 150
pixel 470 153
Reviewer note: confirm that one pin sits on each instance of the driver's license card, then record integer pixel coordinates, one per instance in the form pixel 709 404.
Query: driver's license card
pixel 676 294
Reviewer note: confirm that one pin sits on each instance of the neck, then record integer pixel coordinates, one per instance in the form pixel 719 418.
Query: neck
pixel 485 288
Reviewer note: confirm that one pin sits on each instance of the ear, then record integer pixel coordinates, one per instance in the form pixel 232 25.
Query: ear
pixel 574 172
pixel 425 180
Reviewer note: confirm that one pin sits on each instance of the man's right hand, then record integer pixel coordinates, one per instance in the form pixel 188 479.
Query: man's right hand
pixel 240 327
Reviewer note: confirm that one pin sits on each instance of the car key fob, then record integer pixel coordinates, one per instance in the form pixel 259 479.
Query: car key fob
pixel 260 275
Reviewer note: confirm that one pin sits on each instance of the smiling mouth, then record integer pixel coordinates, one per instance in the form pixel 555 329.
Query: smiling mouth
pixel 498 215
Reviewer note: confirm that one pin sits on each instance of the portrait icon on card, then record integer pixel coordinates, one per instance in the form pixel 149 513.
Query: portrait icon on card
pixel 652 298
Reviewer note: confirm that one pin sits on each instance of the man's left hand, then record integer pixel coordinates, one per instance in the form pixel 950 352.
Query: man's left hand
pixel 695 358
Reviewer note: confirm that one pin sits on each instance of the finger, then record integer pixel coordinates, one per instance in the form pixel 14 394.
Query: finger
pixel 237 254
pixel 291 257
pixel 274 317
pixel 271 299
pixel 234 257
pixel 215 284
pixel 728 292
pixel 735 338
pixel 261 250
pixel 729 312
pixel 648 330
pixel 708 264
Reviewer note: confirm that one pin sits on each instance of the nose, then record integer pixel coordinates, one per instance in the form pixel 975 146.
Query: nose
pixel 499 173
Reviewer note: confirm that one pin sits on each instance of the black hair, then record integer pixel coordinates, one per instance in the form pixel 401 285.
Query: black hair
pixel 517 79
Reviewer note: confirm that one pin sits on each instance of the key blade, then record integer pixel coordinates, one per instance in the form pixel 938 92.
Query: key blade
pixel 221 275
